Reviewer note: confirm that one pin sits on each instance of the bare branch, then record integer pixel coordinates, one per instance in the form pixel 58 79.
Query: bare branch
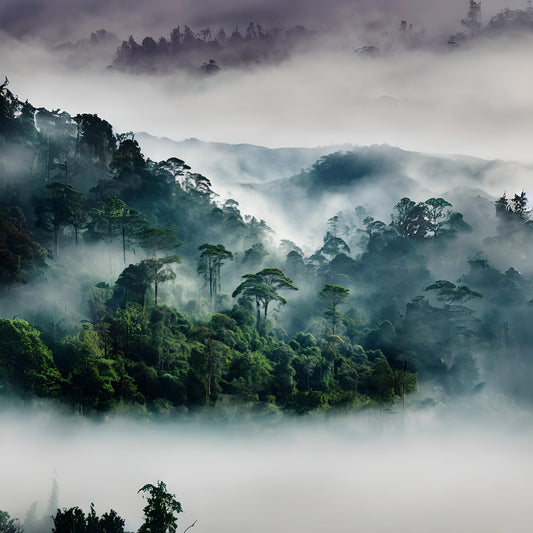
pixel 187 529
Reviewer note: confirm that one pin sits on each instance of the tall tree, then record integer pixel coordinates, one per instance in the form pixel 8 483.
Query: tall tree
pixel 161 509
pixel 159 270
pixel 333 296
pixel 55 209
pixel 209 264
pixel 263 288
pixel 156 239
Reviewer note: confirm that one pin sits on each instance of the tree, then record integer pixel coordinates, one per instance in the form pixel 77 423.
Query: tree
pixel 93 377
pixel 132 284
pixel 160 509
pixel 128 159
pixel 159 270
pixel 511 212
pixel 77 214
pixel 472 21
pixel 111 210
pixel 111 522
pixel 333 246
pixel 255 255
pixel 177 168
pixel 18 252
pixel 263 288
pixel 411 219
pixel 208 361
pixel 69 521
pixel 26 364
pixel 8 524
pixel 55 209
pixel 449 292
pixel 73 520
pixel 156 239
pixel 436 207
pixel 96 135
pixel 209 263
pixel 333 296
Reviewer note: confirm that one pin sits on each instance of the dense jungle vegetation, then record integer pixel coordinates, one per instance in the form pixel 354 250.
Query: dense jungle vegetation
pixel 128 284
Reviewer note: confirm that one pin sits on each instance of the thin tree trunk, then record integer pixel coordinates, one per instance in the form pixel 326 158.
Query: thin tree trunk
pixel 124 244
pixel 56 239
pixel 209 372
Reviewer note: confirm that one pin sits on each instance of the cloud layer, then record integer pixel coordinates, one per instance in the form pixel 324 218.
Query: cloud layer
pixel 473 101
pixel 370 473
pixel 65 19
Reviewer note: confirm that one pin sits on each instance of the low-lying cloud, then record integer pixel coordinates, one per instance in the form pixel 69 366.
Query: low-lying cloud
pixel 472 101
pixel 374 473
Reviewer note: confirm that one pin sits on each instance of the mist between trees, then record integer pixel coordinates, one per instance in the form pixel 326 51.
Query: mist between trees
pixel 127 284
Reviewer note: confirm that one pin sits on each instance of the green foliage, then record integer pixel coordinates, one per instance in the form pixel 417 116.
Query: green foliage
pixel 93 377
pixel 8 524
pixel 73 520
pixel 333 296
pixel 155 357
pixel 211 259
pixel 19 254
pixel 59 206
pixel 263 288
pixel 160 510
pixel 449 292
pixel 26 364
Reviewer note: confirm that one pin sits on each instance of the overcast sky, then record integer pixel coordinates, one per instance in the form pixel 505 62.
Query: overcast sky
pixel 60 19
pixel 476 100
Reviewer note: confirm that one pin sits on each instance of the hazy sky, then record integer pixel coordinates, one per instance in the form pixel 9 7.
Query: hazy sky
pixel 475 100
pixel 58 19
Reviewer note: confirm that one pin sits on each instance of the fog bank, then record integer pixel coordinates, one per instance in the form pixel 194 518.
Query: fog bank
pixel 368 473
pixel 473 101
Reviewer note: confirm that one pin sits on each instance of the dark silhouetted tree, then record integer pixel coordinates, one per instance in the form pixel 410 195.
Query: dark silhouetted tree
pixel 160 510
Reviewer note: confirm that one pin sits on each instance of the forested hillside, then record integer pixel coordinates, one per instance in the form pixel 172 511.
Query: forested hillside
pixel 127 284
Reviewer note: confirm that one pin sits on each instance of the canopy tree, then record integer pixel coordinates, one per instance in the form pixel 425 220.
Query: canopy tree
pixel 209 263
pixel 448 292
pixel 58 207
pixel 26 363
pixel 333 296
pixel 263 288
pixel 156 239
pixel 159 270
pixel 161 509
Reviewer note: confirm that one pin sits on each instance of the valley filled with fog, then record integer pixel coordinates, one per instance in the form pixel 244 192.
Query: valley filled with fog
pixel 425 471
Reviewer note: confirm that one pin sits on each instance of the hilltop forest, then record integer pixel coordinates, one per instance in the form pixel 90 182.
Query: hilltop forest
pixel 129 284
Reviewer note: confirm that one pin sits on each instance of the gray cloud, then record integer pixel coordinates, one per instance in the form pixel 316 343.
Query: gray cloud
pixel 55 20
pixel 474 100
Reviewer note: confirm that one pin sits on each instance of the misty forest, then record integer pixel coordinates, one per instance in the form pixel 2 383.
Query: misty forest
pixel 263 328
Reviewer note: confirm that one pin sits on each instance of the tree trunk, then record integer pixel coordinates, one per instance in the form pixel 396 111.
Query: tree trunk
pixel 124 244
pixel 258 315
pixel 265 317
pixel 56 239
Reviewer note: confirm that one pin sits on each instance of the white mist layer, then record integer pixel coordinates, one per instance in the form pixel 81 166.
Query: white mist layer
pixel 474 101
pixel 315 475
